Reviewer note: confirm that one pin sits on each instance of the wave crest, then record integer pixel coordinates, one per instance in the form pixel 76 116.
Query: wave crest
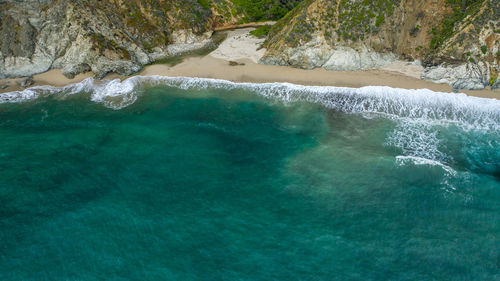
pixel 423 104
pixel 419 115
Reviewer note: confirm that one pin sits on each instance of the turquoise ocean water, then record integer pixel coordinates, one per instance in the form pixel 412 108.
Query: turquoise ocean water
pixel 192 179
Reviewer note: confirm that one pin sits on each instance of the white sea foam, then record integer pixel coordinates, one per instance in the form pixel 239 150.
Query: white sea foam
pixel 19 96
pixel 421 104
pixel 449 177
pixel 417 139
pixel 419 114
pixel 403 160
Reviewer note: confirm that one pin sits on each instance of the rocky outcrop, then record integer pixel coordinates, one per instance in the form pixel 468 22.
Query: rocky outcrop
pixel 346 58
pixel 26 82
pixel 311 54
pixel 100 36
pixel 458 41
pixel 114 35
pixel 469 76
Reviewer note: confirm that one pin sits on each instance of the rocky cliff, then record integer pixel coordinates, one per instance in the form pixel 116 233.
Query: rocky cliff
pixel 456 40
pixel 118 36
pixel 102 36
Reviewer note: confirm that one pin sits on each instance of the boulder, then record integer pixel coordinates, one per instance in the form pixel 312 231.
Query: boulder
pixel 468 84
pixel 26 82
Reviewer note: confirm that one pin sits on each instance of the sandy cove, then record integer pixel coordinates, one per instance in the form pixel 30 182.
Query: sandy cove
pixel 243 48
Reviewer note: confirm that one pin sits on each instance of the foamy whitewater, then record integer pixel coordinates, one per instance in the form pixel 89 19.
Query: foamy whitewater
pixel 416 111
pixel 421 104
pixel 175 178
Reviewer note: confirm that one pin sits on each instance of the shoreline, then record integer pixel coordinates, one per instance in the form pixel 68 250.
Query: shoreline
pixel 236 60
pixel 210 67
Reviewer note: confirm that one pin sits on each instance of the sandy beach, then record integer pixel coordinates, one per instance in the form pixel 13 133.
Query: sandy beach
pixel 243 48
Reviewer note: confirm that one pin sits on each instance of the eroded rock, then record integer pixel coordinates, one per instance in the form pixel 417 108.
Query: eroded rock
pixel 26 82
pixel 371 34
pixel 99 36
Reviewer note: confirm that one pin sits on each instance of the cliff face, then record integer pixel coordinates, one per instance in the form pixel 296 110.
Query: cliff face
pixel 467 53
pixel 102 36
pixel 113 35
pixel 455 40
pixel 244 11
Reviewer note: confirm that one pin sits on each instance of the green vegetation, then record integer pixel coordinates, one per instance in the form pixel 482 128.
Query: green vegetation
pixel 217 38
pixel 493 78
pixel 277 28
pixel 204 3
pixel 484 49
pixel 337 20
pixel 380 20
pixel 358 18
pixel 261 31
pixel 187 14
pixel 461 9
pixel 243 11
pixel 414 31
pixel 261 10
pixel 170 61
pixel 100 44
pixel 301 32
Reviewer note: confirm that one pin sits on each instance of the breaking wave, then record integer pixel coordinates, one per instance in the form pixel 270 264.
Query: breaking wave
pixel 419 114
pixel 423 104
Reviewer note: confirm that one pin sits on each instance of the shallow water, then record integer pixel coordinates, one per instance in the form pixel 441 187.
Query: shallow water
pixel 210 180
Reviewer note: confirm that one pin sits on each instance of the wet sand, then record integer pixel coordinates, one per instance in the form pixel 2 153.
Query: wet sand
pixel 209 67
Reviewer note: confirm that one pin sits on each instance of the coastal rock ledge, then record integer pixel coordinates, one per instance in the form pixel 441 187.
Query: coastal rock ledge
pixel 98 36
pixel 458 42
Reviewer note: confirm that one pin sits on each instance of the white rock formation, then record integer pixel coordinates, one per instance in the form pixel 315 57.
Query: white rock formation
pixel 469 76
pixel 346 58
